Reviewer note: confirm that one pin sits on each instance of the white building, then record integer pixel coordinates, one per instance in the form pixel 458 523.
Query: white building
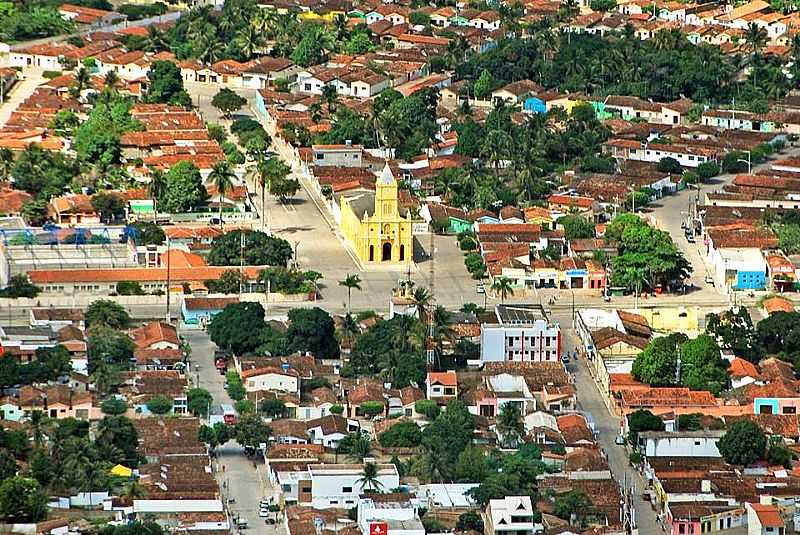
pixel 680 443
pixel 388 517
pixel 523 333
pixel 339 485
pixel 272 380
pixel 764 520
pixel 330 429
pixel 513 515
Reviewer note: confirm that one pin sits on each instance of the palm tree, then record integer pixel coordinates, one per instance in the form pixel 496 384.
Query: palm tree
pixel 510 425
pixel 111 79
pixel 222 176
pixel 422 298
pixel 351 282
pixel 502 286
pixel 496 148
pixel 359 448
pixel 156 41
pixel 249 40
pixel 349 329
pixel 369 478
pixel 340 27
pixel 756 37
pixel 156 188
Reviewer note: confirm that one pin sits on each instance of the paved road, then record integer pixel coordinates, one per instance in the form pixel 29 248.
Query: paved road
pixel 607 426
pixel 19 92
pixel 241 479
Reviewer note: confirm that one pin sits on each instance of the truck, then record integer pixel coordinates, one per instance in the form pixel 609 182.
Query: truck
pixel 221 364
pixel 224 414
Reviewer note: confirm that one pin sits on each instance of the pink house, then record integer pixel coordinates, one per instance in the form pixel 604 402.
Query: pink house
pixel 58 401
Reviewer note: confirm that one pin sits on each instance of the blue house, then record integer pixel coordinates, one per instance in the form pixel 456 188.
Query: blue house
pixel 201 310
pixel 534 105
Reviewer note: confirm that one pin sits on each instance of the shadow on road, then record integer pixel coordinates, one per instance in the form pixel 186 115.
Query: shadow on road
pixel 292 230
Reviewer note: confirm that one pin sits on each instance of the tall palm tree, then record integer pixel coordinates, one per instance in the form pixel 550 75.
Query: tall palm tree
pixel 249 40
pixel 756 37
pixel 502 286
pixel 222 177
pixel 496 148
pixel 422 298
pixel 156 188
pixel 510 425
pixel 351 282
pixel 104 378
pixel 349 329
pixel 369 478
pixel 340 27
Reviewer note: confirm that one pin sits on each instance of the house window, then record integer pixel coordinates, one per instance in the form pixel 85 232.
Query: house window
pixel 790 410
pixel 347 490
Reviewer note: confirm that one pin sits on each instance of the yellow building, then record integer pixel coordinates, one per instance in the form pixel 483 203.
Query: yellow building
pixel 381 234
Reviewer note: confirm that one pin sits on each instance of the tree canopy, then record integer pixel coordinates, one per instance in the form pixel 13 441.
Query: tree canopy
pixel 260 249
pixel 743 444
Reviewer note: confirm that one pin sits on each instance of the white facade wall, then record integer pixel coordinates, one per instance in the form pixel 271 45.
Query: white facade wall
pixel 536 342
pixel 342 489
pixel 272 382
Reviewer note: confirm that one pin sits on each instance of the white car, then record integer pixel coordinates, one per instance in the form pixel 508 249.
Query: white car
pixel 263 512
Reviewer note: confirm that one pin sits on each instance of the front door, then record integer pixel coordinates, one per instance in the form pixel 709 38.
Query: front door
pixel 386 252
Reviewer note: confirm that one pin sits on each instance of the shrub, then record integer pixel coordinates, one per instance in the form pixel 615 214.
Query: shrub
pixel 337 409
pixel 401 435
pixel 371 408
pixel 159 405
pixel 113 407
pixel 429 409
pixel 129 288
pixel 468 244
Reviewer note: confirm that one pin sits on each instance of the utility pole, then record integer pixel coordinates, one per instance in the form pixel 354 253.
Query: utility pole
pixel 241 263
pixel 432 308
pixel 168 315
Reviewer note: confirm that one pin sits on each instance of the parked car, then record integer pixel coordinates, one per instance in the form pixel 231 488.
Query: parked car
pixel 480 288
pixel 709 280
pixel 620 440
pixel 263 512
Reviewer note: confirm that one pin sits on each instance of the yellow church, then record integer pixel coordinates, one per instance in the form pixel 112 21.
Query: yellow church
pixel 373 224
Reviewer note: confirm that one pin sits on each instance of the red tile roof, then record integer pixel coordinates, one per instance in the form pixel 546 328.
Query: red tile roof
pixel 768 515
pixel 448 378
pixel 742 368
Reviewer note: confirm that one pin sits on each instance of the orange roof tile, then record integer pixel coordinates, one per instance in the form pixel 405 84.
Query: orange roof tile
pixel 448 378
pixel 742 368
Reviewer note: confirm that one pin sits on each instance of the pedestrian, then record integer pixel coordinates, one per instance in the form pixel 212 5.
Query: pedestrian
pixel 223 467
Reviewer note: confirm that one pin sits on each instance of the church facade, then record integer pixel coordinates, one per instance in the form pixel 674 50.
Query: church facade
pixel 374 225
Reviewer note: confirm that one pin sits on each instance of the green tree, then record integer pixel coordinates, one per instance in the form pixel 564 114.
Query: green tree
pixel 184 188
pixel 576 227
pixel 428 408
pixel 8 465
pixel 107 345
pixel 118 438
pixel 470 521
pixel 446 437
pixel 484 85
pixel 313 46
pixel 166 85
pixel 401 435
pixel 574 501
pixel 251 431
pixel 113 406
pixel 260 249
pixel 312 330
pixel 707 170
pixel 108 313
pixel 238 327
pixel 129 288
pixel 354 445
pixel 230 282
pixel 656 365
pixel 20 286
pixel 702 367
pixel 734 330
pixel 148 233
pixel 669 165
pixel 198 401
pixel 22 500
pixel 642 420
pixel 160 405
pixel 510 425
pixel 743 444
pixel 273 407
pixel 372 408
pixel 228 102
